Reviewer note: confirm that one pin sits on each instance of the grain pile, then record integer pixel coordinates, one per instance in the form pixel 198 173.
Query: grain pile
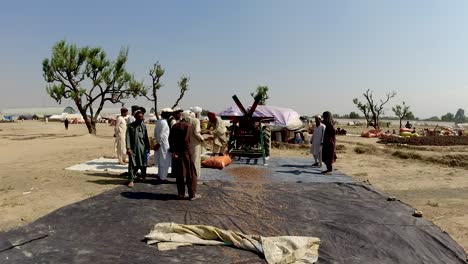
pixel 248 174
pixel 250 180
pixel 250 192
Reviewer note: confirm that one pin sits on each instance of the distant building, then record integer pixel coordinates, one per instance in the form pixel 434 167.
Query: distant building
pixel 57 113
pixel 44 111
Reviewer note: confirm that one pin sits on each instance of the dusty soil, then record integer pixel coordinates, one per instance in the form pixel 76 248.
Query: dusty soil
pixel 33 181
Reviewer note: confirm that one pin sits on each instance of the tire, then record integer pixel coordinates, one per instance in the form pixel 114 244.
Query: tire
pixel 267 140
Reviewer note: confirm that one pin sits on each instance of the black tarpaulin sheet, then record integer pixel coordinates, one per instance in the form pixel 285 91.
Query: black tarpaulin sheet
pixel 355 223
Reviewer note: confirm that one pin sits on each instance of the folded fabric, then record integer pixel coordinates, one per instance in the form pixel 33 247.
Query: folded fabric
pixel 281 249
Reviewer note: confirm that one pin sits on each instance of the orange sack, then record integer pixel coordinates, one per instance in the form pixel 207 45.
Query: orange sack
pixel 217 162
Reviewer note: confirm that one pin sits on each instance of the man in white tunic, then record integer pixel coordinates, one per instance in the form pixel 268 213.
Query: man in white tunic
pixel 131 118
pixel 119 133
pixel 196 140
pixel 317 141
pixel 162 157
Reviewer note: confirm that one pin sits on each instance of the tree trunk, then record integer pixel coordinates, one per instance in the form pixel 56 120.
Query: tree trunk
pixel 375 120
pixel 88 121
pixel 367 121
pixel 401 119
pixel 91 125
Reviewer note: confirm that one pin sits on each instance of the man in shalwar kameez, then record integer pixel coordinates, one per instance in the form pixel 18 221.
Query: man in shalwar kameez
pixel 317 142
pixel 119 134
pixel 182 164
pixel 162 156
pixel 196 140
pixel 137 147
pixel 131 118
pixel 219 134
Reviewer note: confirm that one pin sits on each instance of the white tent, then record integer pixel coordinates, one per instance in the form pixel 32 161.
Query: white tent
pixel 284 117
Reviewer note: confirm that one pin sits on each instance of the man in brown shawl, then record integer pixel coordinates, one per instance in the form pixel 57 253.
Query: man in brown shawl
pixel 183 167
pixel 329 142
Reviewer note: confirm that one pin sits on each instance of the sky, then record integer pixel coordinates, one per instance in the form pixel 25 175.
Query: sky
pixel 313 55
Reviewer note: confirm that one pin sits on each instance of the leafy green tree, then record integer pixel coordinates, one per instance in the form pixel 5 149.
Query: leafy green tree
pixel 460 116
pixel 87 77
pixel 402 111
pixel 410 116
pixel 447 117
pixel 434 118
pixel 371 109
pixel 261 94
pixel 354 115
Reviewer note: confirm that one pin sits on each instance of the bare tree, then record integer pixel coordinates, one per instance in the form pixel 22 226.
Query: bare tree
pixel 374 109
pixel 364 108
pixel 156 73
pixel 183 86
pixel 402 111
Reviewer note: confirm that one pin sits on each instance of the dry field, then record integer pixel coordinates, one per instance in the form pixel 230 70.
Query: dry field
pixel 33 182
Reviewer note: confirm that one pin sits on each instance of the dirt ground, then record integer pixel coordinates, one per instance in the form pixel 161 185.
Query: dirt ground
pixel 33 182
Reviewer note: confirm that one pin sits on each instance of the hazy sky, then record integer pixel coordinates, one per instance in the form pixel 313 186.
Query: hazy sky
pixel 313 55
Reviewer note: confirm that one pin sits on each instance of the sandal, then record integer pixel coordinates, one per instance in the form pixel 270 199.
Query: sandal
pixel 197 196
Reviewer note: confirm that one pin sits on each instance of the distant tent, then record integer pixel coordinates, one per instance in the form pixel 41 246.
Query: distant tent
pixel 38 116
pixel 25 117
pixel 69 110
pixel 56 118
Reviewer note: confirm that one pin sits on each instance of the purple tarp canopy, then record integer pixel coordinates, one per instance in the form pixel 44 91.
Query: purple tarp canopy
pixel 284 117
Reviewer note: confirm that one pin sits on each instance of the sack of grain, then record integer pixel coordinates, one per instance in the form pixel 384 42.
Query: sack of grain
pixel 218 162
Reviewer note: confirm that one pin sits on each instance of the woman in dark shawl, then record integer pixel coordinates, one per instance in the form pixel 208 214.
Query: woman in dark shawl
pixel 329 142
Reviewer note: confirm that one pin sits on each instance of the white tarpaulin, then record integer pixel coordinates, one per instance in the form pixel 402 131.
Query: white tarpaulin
pixel 284 117
pixel 107 165
pixel 281 250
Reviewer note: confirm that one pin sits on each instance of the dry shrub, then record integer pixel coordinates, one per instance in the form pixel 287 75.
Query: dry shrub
pixel 340 148
pixel 364 150
pixel 454 160
pixel 427 141
pixel 407 155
